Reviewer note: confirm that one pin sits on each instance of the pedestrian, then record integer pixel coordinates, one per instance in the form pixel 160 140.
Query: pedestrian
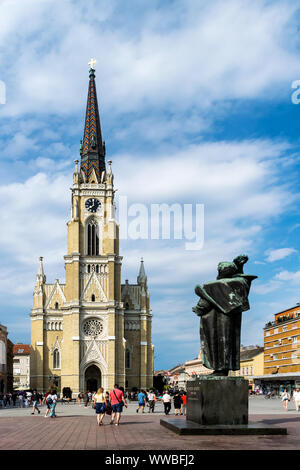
pixel 52 400
pixel 177 403
pixel 183 406
pixel 86 399
pixel 79 398
pixel 35 401
pixel 285 398
pixel 21 400
pixel 14 398
pixel 166 400
pixel 141 401
pixel 151 401
pixel 29 397
pixel 117 401
pixel 4 400
pixel 99 400
pixel 48 409
pixel 296 398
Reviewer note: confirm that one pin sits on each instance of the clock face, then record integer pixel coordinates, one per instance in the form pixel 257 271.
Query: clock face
pixel 92 204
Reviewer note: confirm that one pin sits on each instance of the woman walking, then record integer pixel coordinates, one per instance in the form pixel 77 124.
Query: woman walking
pixel 51 400
pixel 177 403
pixel 285 398
pixel 100 405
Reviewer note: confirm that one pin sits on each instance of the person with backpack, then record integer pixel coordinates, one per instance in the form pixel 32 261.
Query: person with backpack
pixel 35 400
pixel 51 400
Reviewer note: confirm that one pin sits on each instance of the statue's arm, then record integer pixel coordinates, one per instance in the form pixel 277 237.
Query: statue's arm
pixel 202 307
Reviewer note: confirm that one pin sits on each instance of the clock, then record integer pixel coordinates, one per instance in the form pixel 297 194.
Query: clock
pixel 92 204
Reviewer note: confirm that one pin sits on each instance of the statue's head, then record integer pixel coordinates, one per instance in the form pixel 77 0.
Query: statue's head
pixel 226 270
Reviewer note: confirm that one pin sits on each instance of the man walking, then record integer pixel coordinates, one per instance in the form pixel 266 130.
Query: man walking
pixel 117 401
pixel 166 400
pixel 35 400
pixel 142 401
pixel 296 398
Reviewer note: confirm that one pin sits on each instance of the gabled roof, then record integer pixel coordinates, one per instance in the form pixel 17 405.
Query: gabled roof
pixel 21 349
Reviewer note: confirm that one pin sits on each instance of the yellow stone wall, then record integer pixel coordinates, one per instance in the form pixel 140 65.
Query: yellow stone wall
pixel 74 306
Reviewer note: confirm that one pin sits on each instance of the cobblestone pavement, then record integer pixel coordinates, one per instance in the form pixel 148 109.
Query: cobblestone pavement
pixel 75 428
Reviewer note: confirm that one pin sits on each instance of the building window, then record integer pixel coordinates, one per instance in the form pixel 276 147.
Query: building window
pixel 294 339
pixel 92 238
pixel 93 298
pixel 56 359
pixel 284 328
pixel 275 331
pixel 56 305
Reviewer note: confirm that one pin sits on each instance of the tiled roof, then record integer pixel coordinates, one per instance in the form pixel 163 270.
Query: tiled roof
pixel 250 353
pixel 93 149
pixel 23 349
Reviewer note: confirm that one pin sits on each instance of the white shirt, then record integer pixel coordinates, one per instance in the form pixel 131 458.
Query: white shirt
pixel 166 398
pixel 296 396
pixel 151 396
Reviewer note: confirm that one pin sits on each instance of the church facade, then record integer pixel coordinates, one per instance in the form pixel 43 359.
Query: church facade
pixel 91 330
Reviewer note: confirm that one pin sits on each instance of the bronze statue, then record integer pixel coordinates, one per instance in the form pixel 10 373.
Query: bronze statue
pixel 220 308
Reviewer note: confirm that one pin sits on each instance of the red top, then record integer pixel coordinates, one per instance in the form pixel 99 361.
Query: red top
pixel 116 396
pixel 183 399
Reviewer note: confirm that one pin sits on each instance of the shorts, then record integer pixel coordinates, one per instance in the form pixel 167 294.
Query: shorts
pixel 100 408
pixel 118 408
pixel 141 403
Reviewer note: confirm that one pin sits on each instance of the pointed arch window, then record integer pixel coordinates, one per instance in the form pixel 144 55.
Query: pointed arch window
pixel 93 298
pixel 92 235
pixel 56 305
pixel 56 359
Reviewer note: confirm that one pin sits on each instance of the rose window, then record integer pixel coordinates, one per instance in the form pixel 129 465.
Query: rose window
pixel 92 327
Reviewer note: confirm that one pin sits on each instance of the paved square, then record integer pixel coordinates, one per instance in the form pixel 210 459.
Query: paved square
pixel 75 428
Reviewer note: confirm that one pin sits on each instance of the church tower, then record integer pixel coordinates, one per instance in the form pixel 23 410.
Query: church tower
pixel 91 331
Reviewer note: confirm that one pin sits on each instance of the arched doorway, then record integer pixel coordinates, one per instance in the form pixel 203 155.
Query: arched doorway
pixel 92 378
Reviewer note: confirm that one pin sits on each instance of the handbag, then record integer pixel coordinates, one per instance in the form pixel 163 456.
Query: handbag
pixel 108 409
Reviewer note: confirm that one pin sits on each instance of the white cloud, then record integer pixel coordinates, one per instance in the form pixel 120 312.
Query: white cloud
pixel 280 253
pixel 208 53
pixel 288 276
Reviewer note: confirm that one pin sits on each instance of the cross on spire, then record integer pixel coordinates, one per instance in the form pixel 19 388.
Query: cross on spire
pixel 91 63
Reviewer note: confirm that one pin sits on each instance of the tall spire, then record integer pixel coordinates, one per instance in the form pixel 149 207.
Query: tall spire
pixel 41 275
pixel 92 148
pixel 142 278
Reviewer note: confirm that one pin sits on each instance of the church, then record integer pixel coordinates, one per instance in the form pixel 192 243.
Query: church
pixel 91 330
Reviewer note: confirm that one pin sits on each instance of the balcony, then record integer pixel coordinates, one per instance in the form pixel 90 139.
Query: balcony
pixel 281 321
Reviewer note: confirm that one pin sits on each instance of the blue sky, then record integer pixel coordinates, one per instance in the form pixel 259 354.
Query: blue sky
pixel 195 104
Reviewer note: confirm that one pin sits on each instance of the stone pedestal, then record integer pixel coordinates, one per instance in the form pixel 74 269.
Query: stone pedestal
pixel 218 405
pixel 213 400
